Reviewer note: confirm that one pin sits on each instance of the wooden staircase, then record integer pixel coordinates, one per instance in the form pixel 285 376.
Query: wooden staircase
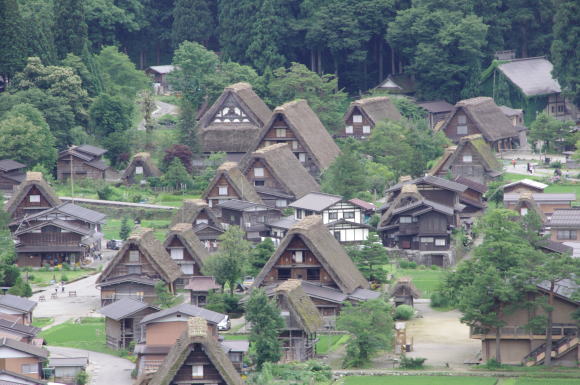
pixel 559 349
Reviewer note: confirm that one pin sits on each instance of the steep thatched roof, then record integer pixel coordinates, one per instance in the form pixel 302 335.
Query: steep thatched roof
pixel 191 209
pixel 527 200
pixel 309 130
pixel 487 116
pixel 152 249
pixel 300 304
pixel 403 287
pixel 149 168
pixel 326 249
pixel 33 179
pixel 234 136
pixel 184 232
pixel 237 181
pixel 287 170
pixel 478 146
pixel 376 109
pixel 196 333
pixel 409 194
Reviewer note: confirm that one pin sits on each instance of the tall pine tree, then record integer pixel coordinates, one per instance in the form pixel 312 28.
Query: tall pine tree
pixel 12 39
pixel 236 23
pixel 565 47
pixel 192 21
pixel 71 29
pixel 263 51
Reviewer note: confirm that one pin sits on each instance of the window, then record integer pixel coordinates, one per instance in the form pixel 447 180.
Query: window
pixel 281 203
pixel 566 234
pixel 560 108
pixel 467 158
pixel 406 220
pixel 348 215
pixel 29 368
pixel 200 221
pixel 223 190
pixel 139 170
pixel 337 235
pixel 313 274
pixel 295 145
pixel 284 274
pixel 302 157
pixel 461 130
pixel 357 118
pixel 332 216
pixel 235 357
pixel 523 211
pixel 366 129
pixel 34 198
pixel 298 256
pixel 177 253
pixel 134 269
pixel 348 130
pixel 187 269
pixel 258 171
pixel 133 255
pixel 440 242
pixel 461 119
pixel 298 214
pixel 197 371
pixel 427 239
pixel 280 133
pixel 259 183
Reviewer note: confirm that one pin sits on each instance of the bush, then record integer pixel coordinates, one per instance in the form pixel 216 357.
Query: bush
pixel 66 267
pixel 63 278
pixel 556 164
pixel 31 277
pixel 492 364
pixel 105 193
pixel 435 267
pixel 412 363
pixel 223 303
pixel 439 300
pixel 407 264
pixel 82 378
pixel 404 312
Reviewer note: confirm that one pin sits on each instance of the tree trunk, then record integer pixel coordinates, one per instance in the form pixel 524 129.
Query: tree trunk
pixel 319 66
pixel 141 59
pixel 498 337
pixel 548 359
pixel 392 61
pixel 380 48
pixel 312 61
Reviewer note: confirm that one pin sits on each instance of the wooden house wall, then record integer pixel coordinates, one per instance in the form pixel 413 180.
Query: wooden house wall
pixel 121 268
pixel 50 238
pixel 451 129
pixel 79 167
pixel 473 170
pixel 7 183
pixel 435 194
pixel 347 232
pixel 214 197
pixel 187 257
pixel 198 357
pixel 112 293
pixel 269 179
pixel 357 128
pixel 25 207
pixel 339 209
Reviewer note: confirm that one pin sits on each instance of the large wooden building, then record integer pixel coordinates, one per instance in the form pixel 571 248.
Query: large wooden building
pixel 82 162
pixel 32 196
pixel 229 183
pixel 136 268
pixel 186 250
pixel 472 159
pixel 252 218
pixel 364 114
pixel 278 177
pixel 140 168
pixel 232 124
pixel 12 173
pixel 296 124
pixel 481 116
pixel 546 202
pixel 205 223
pixel 195 358
pixel 21 359
pixel 565 225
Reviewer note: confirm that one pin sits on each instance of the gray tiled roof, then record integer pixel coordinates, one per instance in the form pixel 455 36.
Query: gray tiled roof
pixel 187 309
pixel 542 197
pixel 93 150
pixel 432 180
pixel 123 308
pixel 16 302
pixel 284 223
pixel 68 361
pixel 18 327
pixel 316 201
pixel 239 205
pixel 556 247
pixel 24 347
pixel 235 345
pixel 565 288
pixel 436 106
pixel 82 212
pixel 566 217
pixel 9 165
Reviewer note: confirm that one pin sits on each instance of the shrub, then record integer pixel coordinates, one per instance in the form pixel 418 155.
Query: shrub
pixel 439 300
pixel 63 278
pixel 105 193
pixel 407 264
pixel 82 378
pixel 434 267
pixel 556 164
pixel 404 312
pixel 492 364
pixel 31 277
pixel 66 267
pixel 412 363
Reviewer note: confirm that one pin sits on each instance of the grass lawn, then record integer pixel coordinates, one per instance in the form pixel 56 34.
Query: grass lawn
pixel 511 177
pixel 41 322
pixel 175 200
pixel 89 334
pixel 43 278
pixel 329 343
pixel 544 381
pixel 160 226
pixel 427 280
pixel 418 380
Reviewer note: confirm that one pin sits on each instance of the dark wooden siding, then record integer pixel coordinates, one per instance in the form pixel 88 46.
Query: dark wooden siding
pixel 198 357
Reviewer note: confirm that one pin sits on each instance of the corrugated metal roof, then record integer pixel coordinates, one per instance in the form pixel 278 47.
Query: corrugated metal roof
pixel 527 182
pixel 68 361
pixel 316 201
pixel 9 165
pixel 436 106
pixel 284 223
pixel 565 288
pixel 164 69
pixel 235 345
pixel 16 302
pixel 239 205
pixel 532 75
pixel 566 217
pixel 187 309
pixel 324 292
pixel 123 308
pixel 93 150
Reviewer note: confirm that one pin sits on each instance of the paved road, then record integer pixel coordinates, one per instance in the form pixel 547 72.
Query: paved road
pixel 162 109
pixel 104 369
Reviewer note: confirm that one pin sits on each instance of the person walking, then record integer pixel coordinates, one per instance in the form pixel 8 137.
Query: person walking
pixel 514 162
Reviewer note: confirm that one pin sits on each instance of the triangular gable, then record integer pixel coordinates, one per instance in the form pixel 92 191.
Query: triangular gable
pixel 191 210
pixel 144 159
pixel 232 110
pixel 184 233
pixel 526 200
pixel 35 182
pixel 230 172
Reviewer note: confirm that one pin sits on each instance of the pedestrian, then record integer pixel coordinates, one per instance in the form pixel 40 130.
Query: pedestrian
pixel 529 168
pixel 62 287
pixel 514 162
pixel 56 290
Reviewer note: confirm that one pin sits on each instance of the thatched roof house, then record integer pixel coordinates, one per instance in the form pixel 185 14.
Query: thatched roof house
pixel 310 234
pixel 232 124
pixel 276 173
pixel 142 166
pixel 527 202
pixel 182 237
pixel 296 123
pixel 230 183
pixel 31 196
pixel 299 305
pixel 196 212
pixel 363 114
pixel 404 292
pixel 198 355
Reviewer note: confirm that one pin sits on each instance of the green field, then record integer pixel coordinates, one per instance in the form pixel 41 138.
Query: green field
pixel 545 381
pixel 41 322
pixel 426 280
pixel 44 278
pixel 236 337
pixel 329 343
pixel 89 334
pixel 418 380
pixel 112 227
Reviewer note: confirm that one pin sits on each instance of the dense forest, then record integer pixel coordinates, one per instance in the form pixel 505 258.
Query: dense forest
pixel 443 44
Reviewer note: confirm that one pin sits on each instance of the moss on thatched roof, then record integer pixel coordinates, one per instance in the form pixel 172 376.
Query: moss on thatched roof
pixel 300 305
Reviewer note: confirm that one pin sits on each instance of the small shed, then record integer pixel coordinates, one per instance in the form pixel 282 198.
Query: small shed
pixel 66 369
pixel 140 168
pixel 199 288
pixel 404 292
pixel 159 75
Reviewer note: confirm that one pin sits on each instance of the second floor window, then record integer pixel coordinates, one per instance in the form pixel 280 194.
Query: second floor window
pixel 302 157
pixel 332 216
pixel 348 215
pixel 366 129
pixel 357 118
pixel 177 253
pixel 406 220
pixel 298 256
pixel 34 198
pixel 197 371
pixel 461 130
pixel 133 255
pixel 467 158
pixel 280 133
pixel 566 235
pixel 348 129
pixel 223 190
pixel 258 171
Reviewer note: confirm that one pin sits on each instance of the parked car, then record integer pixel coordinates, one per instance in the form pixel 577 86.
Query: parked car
pixel 114 244
pixel 247 282
pixel 225 324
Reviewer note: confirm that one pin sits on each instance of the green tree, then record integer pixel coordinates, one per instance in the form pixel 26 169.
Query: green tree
pixel 531 24
pixel 21 289
pixel 346 176
pixel 7 250
pixel 378 176
pixel 164 297
pixel 550 130
pixel 110 22
pixel 213 162
pixel 264 316
pixel 234 36
pixel 71 29
pixel 260 255
pixel 371 327
pixel 125 229
pixel 119 75
pixel 564 50
pixel 230 262
pixel 80 68
pixel 26 142
pixel 370 258
pixel 193 20
pixel 176 175
pixel 263 50
pixel 39 29
pixel 12 43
